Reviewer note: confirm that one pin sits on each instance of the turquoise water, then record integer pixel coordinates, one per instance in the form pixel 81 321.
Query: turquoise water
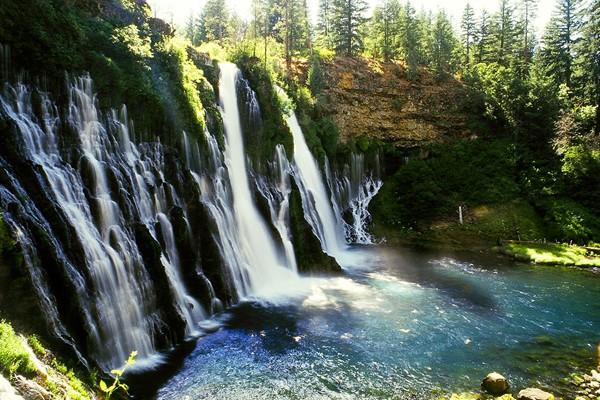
pixel 401 324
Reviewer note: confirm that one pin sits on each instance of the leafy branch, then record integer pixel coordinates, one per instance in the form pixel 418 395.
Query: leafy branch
pixel 118 374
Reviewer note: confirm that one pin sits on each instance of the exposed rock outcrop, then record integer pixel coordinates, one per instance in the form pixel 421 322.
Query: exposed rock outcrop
pixel 368 97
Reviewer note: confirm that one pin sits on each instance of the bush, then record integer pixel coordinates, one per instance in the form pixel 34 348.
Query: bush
pixel 568 220
pixel 14 357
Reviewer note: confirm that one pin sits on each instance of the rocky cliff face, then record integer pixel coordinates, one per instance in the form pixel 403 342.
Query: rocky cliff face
pixel 376 99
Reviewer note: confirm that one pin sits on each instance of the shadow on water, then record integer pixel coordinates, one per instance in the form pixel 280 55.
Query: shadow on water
pixel 417 267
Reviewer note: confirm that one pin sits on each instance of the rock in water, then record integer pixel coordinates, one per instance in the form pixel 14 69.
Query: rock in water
pixel 534 394
pixel 495 384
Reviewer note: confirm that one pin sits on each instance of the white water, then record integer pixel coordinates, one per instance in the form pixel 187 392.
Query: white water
pixel 119 307
pixel 268 266
pixel 257 264
pixel 277 194
pixel 318 209
pixel 153 209
pixel 352 192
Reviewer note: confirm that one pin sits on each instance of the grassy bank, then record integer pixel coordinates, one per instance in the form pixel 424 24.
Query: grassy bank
pixel 552 253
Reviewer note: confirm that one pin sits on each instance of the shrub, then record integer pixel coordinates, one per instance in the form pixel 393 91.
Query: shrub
pixel 14 357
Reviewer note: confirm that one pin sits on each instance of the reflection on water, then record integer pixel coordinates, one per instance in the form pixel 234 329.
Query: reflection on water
pixel 400 324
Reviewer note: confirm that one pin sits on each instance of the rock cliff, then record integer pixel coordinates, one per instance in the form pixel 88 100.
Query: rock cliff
pixel 376 99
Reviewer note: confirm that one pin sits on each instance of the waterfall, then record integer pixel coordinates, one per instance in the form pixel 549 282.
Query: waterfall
pixel 267 265
pixel 98 216
pixel 353 189
pixel 153 210
pixel 318 209
pixel 32 259
pixel 110 186
pixel 277 192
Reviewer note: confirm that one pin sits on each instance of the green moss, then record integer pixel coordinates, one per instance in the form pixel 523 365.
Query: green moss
pixel 551 253
pixel 14 357
pixel 261 143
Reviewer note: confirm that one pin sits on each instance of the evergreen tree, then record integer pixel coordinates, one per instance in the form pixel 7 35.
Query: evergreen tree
pixel 410 40
pixel 384 29
pixel 214 23
pixel 443 44
pixel 347 19
pixel 468 30
pixel 590 59
pixel 526 35
pixel 324 34
pixel 297 30
pixel 559 40
pixel 504 33
pixel 483 38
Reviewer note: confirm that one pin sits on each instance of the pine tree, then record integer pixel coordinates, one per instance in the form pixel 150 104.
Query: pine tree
pixel 324 34
pixel 384 29
pixel 214 21
pixel 410 40
pixel 504 33
pixel 347 19
pixel 294 25
pixel 590 59
pixel 483 38
pixel 443 44
pixel 191 30
pixel 528 10
pixel 559 39
pixel 468 27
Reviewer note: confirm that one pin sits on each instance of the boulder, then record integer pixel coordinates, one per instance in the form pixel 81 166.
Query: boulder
pixel 7 392
pixel 495 384
pixel 534 394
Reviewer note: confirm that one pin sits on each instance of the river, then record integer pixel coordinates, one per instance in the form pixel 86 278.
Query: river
pixel 400 323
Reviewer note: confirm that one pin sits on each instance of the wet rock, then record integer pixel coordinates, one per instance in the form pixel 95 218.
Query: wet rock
pixel 31 390
pixel 495 384
pixel 534 394
pixel 7 392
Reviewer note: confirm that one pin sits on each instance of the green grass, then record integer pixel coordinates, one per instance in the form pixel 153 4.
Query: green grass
pixel 14 357
pixel 550 253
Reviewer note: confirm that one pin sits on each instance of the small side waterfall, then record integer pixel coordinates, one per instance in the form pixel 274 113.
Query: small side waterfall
pixel 353 189
pixel 277 194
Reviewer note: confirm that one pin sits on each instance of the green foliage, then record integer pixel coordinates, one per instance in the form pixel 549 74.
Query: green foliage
pixel 316 77
pixel 476 172
pixel 551 253
pixel 347 18
pixel 14 357
pixel 36 346
pixel 118 373
pixel 261 143
pixel 568 220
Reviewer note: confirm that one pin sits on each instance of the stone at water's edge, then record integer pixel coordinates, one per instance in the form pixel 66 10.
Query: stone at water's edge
pixel 7 392
pixel 495 384
pixel 534 394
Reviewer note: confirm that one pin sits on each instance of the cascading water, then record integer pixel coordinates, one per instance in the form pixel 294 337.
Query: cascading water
pixel 111 209
pixel 352 192
pixel 318 209
pixel 154 210
pixel 118 299
pixel 267 266
pixel 277 194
